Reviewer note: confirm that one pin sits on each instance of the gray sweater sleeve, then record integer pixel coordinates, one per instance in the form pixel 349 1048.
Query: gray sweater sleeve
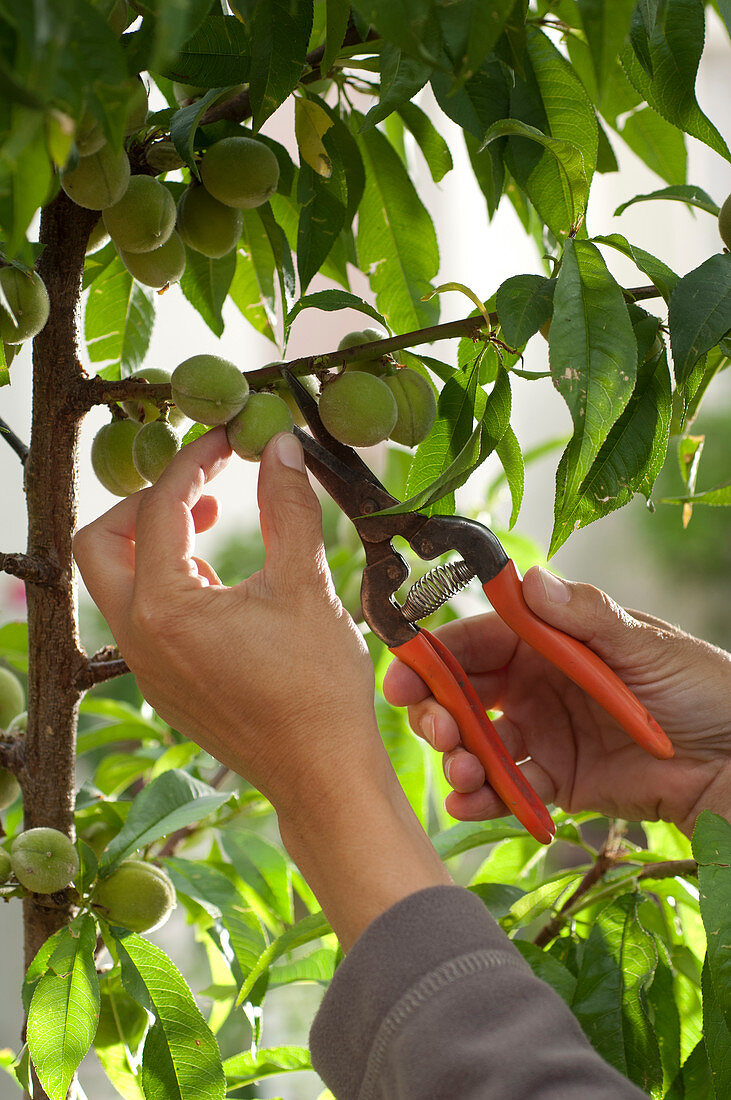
pixel 435 1003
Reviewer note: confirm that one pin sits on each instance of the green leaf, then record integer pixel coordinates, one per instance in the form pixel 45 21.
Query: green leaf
pixel 593 359
pixel 468 835
pixel 665 1019
pixel 401 78
pixel 606 27
pixel 510 455
pixel 660 145
pixel 524 303
pixel 246 1068
pixel 216 56
pixel 206 282
pixel 712 849
pixel 263 867
pixel 280 32
pixel 718 497
pixel 317 966
pixel 396 239
pixel 168 803
pixel 331 300
pixel 324 207
pixel 675 47
pixel 180 1057
pixel 410 24
pixel 312 927
pixel 172 25
pixel 282 255
pixel 659 273
pixel 118 321
pixel 338 13
pixel 39 966
pixel 617 966
pixel 64 1010
pixel 687 193
pixel 471 30
pixel 185 122
pixel 557 184
pixel 633 453
pixel 716 1032
pixel 433 146
pixel 98 262
pixel 252 287
pixel 694 1080
pixel 700 312
pixel 548 969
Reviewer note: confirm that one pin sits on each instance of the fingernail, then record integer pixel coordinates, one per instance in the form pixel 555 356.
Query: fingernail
pixel 289 452
pixel 429 729
pixel 448 770
pixel 556 591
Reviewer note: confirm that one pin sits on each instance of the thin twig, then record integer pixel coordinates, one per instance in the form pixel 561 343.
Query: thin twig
pixel 106 664
pixel 29 569
pixel 669 868
pixel 11 752
pixel 17 444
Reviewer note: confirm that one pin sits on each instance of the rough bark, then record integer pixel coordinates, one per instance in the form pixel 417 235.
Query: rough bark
pixel 55 655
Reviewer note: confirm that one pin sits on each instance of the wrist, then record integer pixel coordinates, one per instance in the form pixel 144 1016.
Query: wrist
pixel 360 847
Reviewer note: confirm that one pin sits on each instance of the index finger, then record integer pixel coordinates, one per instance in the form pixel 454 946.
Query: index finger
pixel 164 533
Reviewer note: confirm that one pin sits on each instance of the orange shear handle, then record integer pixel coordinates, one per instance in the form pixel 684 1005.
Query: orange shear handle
pixel 581 664
pixel 450 686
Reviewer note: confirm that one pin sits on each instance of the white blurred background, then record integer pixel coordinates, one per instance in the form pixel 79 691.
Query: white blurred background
pixel 613 553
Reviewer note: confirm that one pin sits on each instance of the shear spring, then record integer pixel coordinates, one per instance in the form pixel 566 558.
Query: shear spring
pixel 435 588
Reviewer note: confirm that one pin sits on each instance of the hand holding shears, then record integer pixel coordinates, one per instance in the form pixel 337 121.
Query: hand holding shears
pixel 361 496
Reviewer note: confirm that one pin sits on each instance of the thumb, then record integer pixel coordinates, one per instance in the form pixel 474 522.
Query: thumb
pixel 586 613
pixel 290 515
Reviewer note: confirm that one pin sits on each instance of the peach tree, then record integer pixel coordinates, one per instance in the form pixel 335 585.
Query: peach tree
pixel 135 157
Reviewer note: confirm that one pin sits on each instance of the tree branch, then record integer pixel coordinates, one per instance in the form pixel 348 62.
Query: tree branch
pixel 105 664
pixel 13 441
pixel 29 569
pixel 669 868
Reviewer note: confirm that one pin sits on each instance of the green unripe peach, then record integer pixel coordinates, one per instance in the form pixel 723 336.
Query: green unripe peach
pixel 159 267
pixel 262 417
pixel 144 410
pixel 364 336
pixel 136 107
pixel 138 896
pixel 119 17
pixel 12 697
pixel 186 93
pixel 144 217
pixel 98 835
pixel 6 866
pixel 206 224
pixel 98 181
pixel 27 297
pixel 358 409
pixel 121 1020
pixel 9 790
pixel 44 860
pixel 89 136
pixel 208 389
pixel 240 172
pixel 97 238
pixel 724 222
pixel 163 157
pixel 154 446
pixel 417 406
pixel 111 458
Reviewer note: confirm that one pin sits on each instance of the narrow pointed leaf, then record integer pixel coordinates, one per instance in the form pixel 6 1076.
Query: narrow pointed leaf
pixel 118 321
pixel 431 143
pixel 712 849
pixel 687 193
pixel 338 13
pixel 216 56
pixel 510 455
pixel 312 927
pixel 331 300
pixel 658 272
pixel 282 255
pixel 252 287
pixel 246 1068
pixel 524 303
pixel 206 282
pixel 280 31
pixel 700 312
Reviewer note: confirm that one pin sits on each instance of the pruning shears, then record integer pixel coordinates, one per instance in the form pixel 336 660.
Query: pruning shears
pixel 358 492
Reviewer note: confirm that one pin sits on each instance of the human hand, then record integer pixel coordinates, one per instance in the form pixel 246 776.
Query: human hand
pixel 575 754
pixel 270 676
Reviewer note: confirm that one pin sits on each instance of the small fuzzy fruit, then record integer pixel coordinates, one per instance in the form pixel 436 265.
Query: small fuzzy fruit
pixel 240 172
pixel 159 267
pixel 417 406
pixel 98 181
pixel 6 866
pixel 186 93
pixel 282 390
pixel 27 296
pixel 97 238
pixel 358 409
pixel 144 217
pixel 154 446
pixel 144 410
pixel 163 157
pixel 119 17
pixel 136 107
pixel 44 860
pixel 364 336
pixel 111 457
pixel 263 415
pixel 138 896
pixel 12 697
pixel 9 791
pixel 208 389
pixel 724 222
pixel 121 1019
pixel 89 136
pixel 206 224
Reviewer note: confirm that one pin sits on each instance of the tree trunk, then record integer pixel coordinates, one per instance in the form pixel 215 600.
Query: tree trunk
pixel 55 655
